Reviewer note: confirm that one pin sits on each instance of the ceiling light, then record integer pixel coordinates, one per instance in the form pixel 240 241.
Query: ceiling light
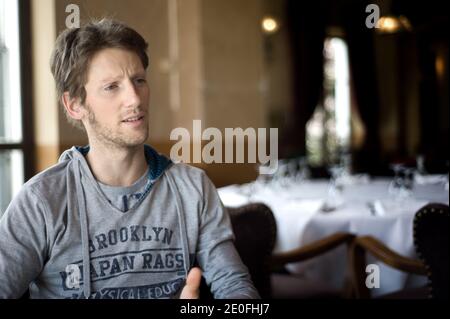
pixel 393 24
pixel 270 25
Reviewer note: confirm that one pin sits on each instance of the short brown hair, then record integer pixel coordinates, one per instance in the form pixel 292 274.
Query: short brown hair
pixel 75 47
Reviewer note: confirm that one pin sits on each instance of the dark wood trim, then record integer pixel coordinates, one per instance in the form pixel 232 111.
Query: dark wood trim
pixel 389 257
pixel 13 146
pixel 312 250
pixel 357 260
pixel 357 265
pixel 316 248
pixel 26 88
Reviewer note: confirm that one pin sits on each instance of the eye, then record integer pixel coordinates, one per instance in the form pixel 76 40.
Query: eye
pixel 111 87
pixel 141 81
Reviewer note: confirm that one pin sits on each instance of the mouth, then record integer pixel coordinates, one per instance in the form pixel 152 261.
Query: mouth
pixel 135 120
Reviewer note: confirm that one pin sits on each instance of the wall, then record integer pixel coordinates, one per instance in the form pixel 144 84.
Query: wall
pixel 46 122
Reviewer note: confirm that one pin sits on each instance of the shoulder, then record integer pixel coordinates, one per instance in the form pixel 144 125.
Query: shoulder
pixel 188 178
pixel 33 202
pixel 46 191
pixel 50 180
pixel 181 170
pixel 46 194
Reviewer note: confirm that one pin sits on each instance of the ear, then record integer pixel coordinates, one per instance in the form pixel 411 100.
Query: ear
pixel 73 106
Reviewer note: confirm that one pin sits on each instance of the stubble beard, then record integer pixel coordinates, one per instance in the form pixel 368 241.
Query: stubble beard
pixel 110 138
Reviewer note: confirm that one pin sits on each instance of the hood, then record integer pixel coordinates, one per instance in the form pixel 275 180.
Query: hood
pixel 158 163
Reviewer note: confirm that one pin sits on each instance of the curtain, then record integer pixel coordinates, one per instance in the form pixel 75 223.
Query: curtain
pixel 306 24
pixel 360 42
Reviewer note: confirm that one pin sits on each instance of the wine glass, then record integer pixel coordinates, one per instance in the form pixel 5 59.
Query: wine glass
pixel 292 169
pixel 336 172
pixel 279 180
pixel 262 180
pixel 303 172
pixel 408 184
pixel 401 186
pixel 334 197
pixel 397 181
pixel 420 164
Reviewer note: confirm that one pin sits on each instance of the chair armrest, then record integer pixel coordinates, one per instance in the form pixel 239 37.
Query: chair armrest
pixel 311 250
pixel 380 251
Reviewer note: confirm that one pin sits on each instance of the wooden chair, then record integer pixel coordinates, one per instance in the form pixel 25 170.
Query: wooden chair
pixel 298 287
pixel 255 230
pixel 431 241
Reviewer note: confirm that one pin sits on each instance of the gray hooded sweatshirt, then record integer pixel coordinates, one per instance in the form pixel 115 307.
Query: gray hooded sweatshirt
pixel 61 237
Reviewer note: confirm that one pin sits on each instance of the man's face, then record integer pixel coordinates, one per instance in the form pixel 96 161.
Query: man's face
pixel 117 98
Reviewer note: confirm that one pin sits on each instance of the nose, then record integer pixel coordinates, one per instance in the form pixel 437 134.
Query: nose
pixel 131 95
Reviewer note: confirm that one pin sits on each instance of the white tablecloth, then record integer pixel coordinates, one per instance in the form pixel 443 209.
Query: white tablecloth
pixel 300 220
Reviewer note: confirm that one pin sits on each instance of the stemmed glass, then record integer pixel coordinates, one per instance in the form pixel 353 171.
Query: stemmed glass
pixel 335 189
pixel 249 190
pixel 408 183
pixel 420 163
pixel 282 176
pixel 263 179
pixel 303 173
pixel 397 181
pixel 400 188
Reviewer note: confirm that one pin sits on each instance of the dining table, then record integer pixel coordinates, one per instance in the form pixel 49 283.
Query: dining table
pixel 311 209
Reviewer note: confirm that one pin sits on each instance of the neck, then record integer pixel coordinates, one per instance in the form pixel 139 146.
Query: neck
pixel 117 166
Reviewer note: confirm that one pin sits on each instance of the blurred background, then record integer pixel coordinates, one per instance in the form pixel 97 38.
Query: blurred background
pixel 333 86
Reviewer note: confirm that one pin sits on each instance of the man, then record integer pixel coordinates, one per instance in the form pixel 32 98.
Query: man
pixel 115 219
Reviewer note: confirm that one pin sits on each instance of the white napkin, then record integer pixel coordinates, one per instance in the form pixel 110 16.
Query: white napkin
pixel 391 207
pixel 379 208
pixel 430 179
pixel 355 179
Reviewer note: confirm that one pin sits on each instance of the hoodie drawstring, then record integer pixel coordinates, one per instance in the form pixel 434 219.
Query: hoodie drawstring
pixel 183 231
pixel 84 231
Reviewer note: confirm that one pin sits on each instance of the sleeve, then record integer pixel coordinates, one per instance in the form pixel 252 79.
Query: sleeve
pixel 23 243
pixel 222 266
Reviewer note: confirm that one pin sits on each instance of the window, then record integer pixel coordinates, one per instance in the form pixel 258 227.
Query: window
pixel 12 142
pixel 329 129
